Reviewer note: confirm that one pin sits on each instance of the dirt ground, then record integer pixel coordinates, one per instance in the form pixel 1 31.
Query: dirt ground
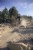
pixel 14 34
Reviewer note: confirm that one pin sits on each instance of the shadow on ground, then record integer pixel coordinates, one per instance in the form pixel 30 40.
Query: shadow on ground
pixel 23 30
pixel 4 48
pixel 14 46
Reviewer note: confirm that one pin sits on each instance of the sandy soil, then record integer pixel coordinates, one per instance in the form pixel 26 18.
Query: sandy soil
pixel 7 33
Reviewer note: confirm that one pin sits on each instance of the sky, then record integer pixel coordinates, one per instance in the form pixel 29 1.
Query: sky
pixel 24 7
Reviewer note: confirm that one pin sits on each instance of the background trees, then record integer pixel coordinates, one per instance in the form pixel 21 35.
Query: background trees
pixel 13 11
pixel 5 14
pixel 12 15
pixel 0 14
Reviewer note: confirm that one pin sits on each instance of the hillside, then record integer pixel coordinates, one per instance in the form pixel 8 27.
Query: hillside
pixel 13 34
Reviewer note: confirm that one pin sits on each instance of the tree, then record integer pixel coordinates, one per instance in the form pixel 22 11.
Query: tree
pixel 5 14
pixel 0 14
pixel 13 14
pixel 0 17
pixel 18 17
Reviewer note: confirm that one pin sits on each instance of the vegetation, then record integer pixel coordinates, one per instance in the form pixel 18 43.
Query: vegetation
pixel 27 17
pixel 11 16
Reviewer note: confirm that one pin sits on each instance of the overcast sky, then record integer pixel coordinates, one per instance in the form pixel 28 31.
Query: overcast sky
pixel 24 7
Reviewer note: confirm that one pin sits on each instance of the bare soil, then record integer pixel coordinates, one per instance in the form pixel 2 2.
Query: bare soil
pixel 13 34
